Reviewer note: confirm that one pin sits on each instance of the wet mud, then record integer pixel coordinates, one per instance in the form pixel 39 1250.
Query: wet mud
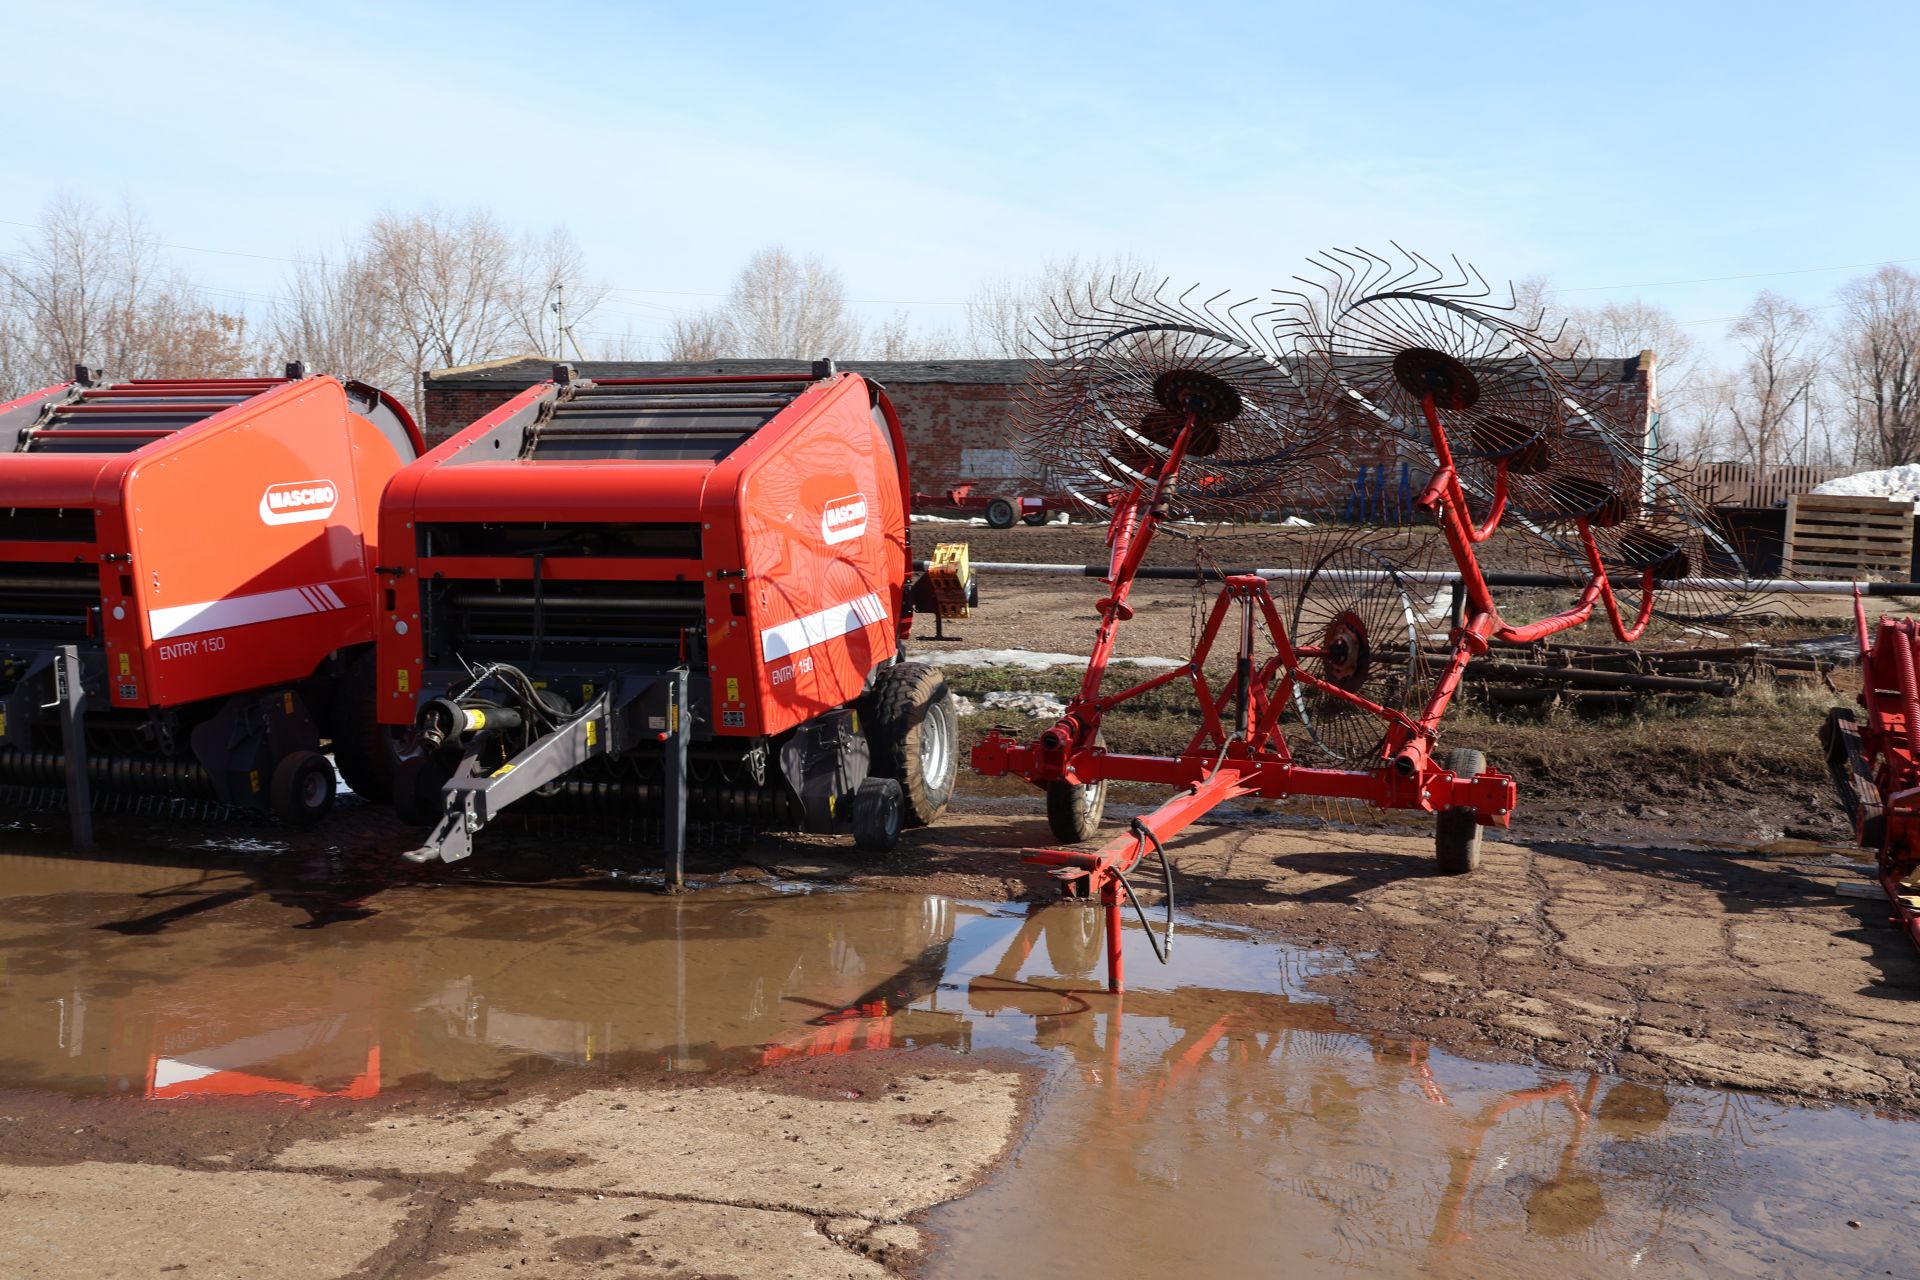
pixel 779 1073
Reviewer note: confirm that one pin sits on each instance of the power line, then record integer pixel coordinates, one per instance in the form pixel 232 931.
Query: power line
pixel 1753 275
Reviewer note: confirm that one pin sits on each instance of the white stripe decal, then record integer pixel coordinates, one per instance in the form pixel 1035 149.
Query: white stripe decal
pixel 168 1071
pixel 817 628
pixel 240 611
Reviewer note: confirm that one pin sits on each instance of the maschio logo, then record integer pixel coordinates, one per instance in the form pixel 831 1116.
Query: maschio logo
pixel 298 502
pixel 844 519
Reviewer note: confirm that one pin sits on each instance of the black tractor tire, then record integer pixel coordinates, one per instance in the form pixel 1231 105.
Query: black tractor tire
pixel 367 752
pixel 417 784
pixel 913 732
pixel 1000 514
pixel 303 787
pixel 877 806
pixel 1034 518
pixel 1456 832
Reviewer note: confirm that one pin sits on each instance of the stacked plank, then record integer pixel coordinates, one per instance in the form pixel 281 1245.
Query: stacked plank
pixel 1842 536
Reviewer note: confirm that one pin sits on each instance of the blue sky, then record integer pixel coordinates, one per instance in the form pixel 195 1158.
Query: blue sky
pixel 1616 149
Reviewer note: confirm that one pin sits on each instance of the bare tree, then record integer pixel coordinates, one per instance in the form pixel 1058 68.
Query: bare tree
pixel 17 374
pixel 335 319
pixel 1002 312
pixel 704 335
pixel 1768 401
pixel 1878 370
pixel 553 294
pixel 87 289
pixel 782 307
pixel 896 340
pixel 1627 329
pixel 176 336
pixel 447 287
pixel 1535 304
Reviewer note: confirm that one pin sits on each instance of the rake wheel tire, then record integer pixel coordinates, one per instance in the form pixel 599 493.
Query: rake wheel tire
pixel 303 788
pixel 1074 809
pixel 1075 931
pixel 913 732
pixel 1456 832
pixel 1000 514
pixel 877 815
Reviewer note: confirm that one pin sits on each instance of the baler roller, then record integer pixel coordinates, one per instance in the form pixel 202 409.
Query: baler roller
pixel 771 805
pixel 610 404
pixel 148 776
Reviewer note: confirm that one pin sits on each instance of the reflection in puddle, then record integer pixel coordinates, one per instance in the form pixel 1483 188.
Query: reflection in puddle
pixel 1193 1129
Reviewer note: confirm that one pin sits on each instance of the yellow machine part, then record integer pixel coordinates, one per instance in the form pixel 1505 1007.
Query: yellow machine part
pixel 951 575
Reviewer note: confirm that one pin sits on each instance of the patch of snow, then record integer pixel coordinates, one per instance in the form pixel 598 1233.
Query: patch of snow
pixel 963 705
pixel 917 518
pixel 1295 522
pixel 1025 659
pixel 1041 706
pixel 1895 482
pixel 1442 606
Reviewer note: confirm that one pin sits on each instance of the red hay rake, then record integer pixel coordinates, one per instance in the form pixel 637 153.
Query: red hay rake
pixel 1175 405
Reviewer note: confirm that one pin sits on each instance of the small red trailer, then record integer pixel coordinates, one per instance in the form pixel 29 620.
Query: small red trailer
pixel 185 574
pixel 1000 510
pixel 652 596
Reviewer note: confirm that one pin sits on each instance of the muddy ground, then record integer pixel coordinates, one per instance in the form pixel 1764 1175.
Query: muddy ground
pixel 1661 961
pixel 813 1169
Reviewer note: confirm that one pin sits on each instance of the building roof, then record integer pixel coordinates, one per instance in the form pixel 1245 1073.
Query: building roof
pixel 524 371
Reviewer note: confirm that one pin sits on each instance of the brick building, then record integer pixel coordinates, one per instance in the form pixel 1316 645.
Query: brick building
pixel 957 414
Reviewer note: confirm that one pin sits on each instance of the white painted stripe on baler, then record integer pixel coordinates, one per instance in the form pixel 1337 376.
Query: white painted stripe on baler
pixel 817 628
pixel 240 611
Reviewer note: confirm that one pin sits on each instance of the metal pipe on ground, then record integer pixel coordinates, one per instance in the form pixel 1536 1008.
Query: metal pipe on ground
pixel 1442 578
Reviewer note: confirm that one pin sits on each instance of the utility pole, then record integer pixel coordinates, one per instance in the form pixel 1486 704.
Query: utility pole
pixel 564 330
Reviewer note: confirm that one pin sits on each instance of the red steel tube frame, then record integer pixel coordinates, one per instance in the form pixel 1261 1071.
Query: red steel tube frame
pixel 1254 759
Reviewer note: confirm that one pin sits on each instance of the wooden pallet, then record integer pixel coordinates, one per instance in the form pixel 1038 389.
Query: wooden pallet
pixel 1847 537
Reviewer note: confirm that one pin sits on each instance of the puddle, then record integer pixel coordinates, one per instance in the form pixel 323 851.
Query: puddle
pixel 1216 1118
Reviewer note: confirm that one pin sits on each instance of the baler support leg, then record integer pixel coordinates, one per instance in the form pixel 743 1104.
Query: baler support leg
pixel 71 692
pixel 679 733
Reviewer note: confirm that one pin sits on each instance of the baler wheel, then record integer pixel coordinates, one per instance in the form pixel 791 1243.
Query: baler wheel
pixel 1456 832
pixel 417 784
pixel 914 734
pixel 1000 514
pixel 367 752
pixel 302 788
pixel 876 815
